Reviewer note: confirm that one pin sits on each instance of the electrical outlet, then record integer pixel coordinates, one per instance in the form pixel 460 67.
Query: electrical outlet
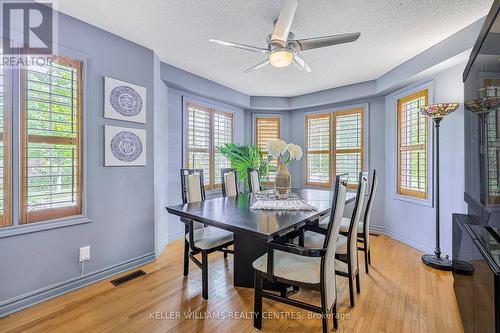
pixel 84 253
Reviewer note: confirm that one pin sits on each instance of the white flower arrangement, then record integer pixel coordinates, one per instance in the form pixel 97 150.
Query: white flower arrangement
pixel 295 151
pixel 277 149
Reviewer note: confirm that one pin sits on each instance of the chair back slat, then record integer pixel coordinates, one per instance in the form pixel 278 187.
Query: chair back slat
pixel 253 180
pixel 328 263
pixel 352 235
pixel 369 206
pixel 193 189
pixel 229 180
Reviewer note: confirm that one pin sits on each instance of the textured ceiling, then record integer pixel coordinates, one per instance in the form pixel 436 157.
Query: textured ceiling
pixel 178 31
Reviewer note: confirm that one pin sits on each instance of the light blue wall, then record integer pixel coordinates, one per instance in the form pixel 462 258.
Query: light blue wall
pixel 412 221
pixel 179 87
pixel 120 199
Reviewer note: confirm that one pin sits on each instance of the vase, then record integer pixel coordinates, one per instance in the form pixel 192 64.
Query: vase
pixel 282 182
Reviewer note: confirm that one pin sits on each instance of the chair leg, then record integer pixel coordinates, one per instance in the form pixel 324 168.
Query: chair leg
pixel 324 311
pixel 358 289
pixel 334 316
pixel 351 291
pixel 369 257
pixel 257 303
pixel 283 292
pixel 366 260
pixel 225 254
pixel 186 257
pixel 204 275
pixel 301 239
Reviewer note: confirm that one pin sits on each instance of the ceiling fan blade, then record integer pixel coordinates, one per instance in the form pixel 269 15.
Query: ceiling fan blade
pixel 255 67
pixel 284 22
pixel 317 42
pixel 301 63
pixel 239 46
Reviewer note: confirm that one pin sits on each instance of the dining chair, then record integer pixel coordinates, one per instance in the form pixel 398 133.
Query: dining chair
pixel 199 238
pixel 364 224
pixel 229 179
pixel 299 266
pixel 253 180
pixel 347 263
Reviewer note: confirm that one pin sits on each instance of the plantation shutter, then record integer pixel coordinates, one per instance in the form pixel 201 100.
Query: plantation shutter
pixel 51 155
pixel 223 133
pixel 318 150
pixel 207 129
pixel 412 145
pixel 199 139
pixel 266 129
pixel 349 144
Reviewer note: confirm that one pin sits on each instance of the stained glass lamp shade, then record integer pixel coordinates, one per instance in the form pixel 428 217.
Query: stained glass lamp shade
pixel 483 105
pixel 440 110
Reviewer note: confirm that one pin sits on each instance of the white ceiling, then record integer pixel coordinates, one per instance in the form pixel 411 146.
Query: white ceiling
pixel 392 31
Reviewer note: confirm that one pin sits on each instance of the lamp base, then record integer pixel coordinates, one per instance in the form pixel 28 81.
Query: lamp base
pixel 434 261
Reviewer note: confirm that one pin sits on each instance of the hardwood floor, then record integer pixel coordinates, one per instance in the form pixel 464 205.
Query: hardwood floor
pixel 399 295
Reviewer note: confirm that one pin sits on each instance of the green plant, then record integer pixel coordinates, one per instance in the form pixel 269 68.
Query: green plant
pixel 243 157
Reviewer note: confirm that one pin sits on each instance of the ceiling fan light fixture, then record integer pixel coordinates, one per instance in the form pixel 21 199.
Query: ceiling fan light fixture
pixel 281 57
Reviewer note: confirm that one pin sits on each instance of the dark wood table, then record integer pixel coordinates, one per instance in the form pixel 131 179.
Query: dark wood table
pixel 253 229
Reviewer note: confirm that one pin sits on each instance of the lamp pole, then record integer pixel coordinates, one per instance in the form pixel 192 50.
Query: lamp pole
pixel 435 260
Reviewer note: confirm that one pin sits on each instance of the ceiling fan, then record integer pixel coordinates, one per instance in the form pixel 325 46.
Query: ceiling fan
pixel 282 47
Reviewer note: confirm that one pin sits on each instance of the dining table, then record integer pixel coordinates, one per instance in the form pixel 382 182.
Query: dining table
pixel 253 228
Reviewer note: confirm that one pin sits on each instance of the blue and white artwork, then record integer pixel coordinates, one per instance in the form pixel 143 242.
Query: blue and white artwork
pixel 124 101
pixel 124 146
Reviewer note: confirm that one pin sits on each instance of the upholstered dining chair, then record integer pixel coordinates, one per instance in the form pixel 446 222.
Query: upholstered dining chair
pixel 199 238
pixel 229 179
pixel 346 253
pixel 364 223
pixel 253 180
pixel 298 266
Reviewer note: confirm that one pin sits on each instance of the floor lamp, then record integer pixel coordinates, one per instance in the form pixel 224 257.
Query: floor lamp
pixel 437 112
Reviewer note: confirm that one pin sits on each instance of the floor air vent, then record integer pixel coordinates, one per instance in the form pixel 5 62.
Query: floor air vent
pixel 127 278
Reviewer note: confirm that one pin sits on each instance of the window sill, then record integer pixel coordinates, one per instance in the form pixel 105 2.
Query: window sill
pixel 422 202
pixel 42 226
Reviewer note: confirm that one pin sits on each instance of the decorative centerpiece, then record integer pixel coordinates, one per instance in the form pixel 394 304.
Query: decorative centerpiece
pixel 278 149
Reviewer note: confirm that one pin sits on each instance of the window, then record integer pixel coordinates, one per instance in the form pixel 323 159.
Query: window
pixel 51 141
pixel 266 129
pixel 412 146
pixel 207 129
pixel 349 144
pixel 49 133
pixel 318 150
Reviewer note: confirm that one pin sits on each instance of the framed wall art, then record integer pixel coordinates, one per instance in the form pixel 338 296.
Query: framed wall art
pixel 124 146
pixel 124 101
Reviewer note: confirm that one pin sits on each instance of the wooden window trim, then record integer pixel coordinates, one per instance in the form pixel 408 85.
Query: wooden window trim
pixel 409 192
pixel 6 217
pixel 51 213
pixel 360 150
pixel 324 151
pixel 213 183
pixel 276 119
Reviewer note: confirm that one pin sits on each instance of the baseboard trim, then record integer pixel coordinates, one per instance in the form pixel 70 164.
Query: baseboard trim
pixel 403 239
pixel 43 294
pixel 176 236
